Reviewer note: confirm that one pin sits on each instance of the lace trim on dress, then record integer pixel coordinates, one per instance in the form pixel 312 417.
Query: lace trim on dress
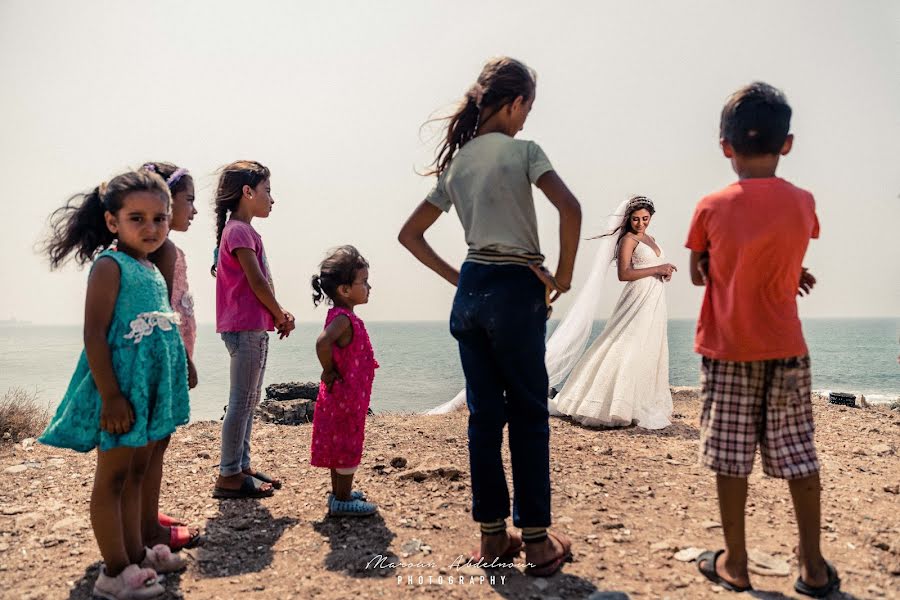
pixel 187 303
pixel 145 322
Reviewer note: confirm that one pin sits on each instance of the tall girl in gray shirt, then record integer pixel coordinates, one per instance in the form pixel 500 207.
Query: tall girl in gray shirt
pixel 501 306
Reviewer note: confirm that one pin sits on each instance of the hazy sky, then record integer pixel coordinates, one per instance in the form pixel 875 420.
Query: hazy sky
pixel 331 97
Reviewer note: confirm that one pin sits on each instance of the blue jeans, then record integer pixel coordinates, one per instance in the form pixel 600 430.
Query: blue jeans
pixel 499 318
pixel 248 350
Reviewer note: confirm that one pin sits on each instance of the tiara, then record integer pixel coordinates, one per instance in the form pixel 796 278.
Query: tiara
pixel 640 202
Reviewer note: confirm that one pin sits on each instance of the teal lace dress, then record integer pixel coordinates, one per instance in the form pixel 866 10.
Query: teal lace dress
pixel 149 361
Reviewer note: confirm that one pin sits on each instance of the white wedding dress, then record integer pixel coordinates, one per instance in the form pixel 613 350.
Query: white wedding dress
pixel 623 378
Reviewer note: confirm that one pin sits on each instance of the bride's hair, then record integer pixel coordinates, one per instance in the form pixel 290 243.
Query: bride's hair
pixel 635 204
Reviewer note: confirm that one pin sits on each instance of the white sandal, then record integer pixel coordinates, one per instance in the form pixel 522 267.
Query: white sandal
pixel 162 560
pixel 133 583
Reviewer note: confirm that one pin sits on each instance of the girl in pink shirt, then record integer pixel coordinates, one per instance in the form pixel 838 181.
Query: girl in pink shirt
pixel 246 310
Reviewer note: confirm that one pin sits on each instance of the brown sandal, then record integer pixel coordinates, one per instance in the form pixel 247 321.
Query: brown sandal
pixel 513 548
pixel 550 568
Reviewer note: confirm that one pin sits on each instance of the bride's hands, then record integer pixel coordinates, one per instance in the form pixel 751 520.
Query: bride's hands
pixel 665 271
pixel 555 286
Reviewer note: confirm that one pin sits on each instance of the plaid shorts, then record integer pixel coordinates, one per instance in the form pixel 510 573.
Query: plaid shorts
pixel 765 401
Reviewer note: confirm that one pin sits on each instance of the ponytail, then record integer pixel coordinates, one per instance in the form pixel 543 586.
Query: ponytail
pixel 79 228
pixel 501 81
pixel 318 295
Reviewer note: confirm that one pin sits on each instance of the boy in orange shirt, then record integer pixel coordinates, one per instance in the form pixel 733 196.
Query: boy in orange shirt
pixel 747 244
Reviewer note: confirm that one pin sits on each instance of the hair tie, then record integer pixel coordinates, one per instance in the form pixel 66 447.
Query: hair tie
pixel 476 93
pixel 149 167
pixel 216 256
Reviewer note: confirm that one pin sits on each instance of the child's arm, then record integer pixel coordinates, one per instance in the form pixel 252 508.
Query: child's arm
pixel 116 412
pixel 569 231
pixel 627 272
pixel 699 267
pixel 260 286
pixel 412 236
pixel 339 332
pixel 164 259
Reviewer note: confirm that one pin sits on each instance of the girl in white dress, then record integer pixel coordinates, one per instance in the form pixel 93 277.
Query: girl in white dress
pixel 623 378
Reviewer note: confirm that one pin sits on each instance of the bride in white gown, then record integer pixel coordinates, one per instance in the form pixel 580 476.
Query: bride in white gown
pixel 623 378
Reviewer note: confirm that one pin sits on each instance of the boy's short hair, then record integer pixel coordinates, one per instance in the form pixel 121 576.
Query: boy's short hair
pixel 756 120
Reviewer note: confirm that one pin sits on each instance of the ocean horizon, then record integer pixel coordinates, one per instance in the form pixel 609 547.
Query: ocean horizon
pixel 420 366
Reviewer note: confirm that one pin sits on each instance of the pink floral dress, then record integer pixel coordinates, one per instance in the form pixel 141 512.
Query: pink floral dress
pixel 339 420
pixel 183 303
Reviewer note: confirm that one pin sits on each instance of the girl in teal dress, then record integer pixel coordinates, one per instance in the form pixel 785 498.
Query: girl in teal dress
pixel 129 389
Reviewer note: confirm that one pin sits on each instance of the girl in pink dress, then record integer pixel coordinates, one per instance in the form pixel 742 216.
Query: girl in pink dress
pixel 348 370
pixel 169 259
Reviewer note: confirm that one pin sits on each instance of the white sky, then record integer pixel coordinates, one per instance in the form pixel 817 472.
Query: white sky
pixel 331 97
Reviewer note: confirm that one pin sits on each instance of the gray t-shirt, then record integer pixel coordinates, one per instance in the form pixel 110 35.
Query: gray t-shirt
pixel 489 182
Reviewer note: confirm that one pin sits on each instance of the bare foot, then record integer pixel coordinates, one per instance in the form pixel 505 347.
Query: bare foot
pixel 734 572
pixel 233 482
pixel 495 546
pixel 814 575
pixel 541 553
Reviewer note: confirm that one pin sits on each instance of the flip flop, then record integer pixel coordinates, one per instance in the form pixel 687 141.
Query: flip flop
pixel 276 483
pixel 833 585
pixel 250 488
pixel 552 566
pixel 514 546
pixel 709 558
pixel 181 537
pixel 167 521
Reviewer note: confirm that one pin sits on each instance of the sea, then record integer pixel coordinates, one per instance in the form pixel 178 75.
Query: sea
pixel 420 366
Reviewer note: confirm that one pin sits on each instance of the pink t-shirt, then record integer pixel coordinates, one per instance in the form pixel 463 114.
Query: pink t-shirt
pixel 756 232
pixel 237 307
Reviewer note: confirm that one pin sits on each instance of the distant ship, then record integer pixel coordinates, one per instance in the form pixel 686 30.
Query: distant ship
pixel 13 322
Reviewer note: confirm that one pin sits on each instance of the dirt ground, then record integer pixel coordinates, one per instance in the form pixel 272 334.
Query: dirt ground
pixel 630 499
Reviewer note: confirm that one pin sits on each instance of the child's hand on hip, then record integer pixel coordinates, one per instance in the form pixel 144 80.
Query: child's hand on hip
pixel 554 286
pixel 329 377
pixel 116 415
pixel 807 283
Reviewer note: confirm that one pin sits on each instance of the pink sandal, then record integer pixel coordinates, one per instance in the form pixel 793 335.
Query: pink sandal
pixel 133 583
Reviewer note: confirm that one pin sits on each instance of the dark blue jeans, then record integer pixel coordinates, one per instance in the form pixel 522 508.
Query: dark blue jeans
pixel 499 318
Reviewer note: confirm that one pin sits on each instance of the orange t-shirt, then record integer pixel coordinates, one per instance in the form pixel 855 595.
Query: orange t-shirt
pixel 756 232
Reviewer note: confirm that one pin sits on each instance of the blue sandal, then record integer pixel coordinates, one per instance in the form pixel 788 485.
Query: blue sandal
pixel 350 508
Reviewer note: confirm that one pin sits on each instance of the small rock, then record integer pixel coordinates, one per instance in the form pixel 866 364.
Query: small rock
pixel 7 435
pixel 541 584
pixel 15 469
pixel 710 524
pixel 875 590
pixel 409 548
pixel 613 525
pixel 882 449
pixel 663 546
pixel 762 563
pixel 12 510
pixel 69 524
pixel 27 443
pixel 398 462
pixel 4 547
pixel 204 455
pixel 688 554
pixel 881 545
pixel 892 489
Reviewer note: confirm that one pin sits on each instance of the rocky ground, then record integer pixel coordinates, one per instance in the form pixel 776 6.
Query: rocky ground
pixel 634 502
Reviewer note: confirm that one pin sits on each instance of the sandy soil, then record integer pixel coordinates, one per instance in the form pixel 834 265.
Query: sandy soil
pixel 630 499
